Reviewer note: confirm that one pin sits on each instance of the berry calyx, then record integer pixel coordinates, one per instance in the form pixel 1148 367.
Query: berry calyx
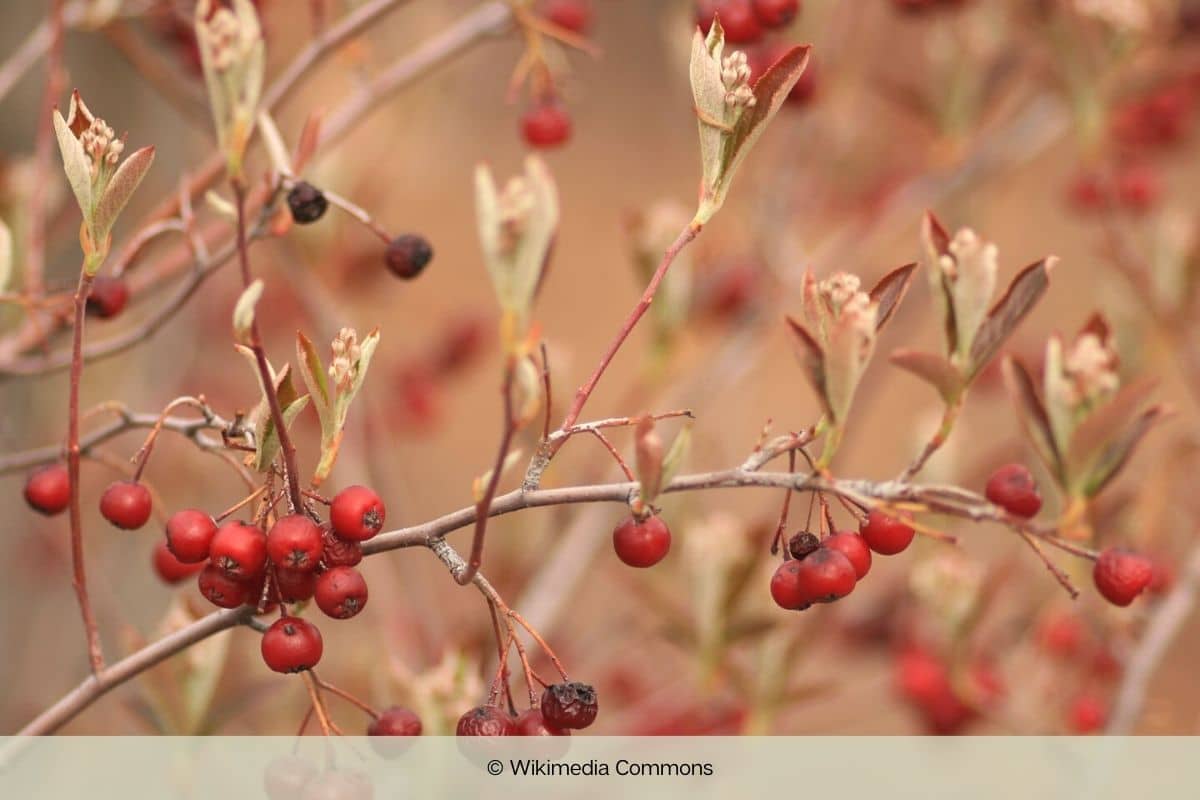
pixel 546 124
pixel 803 543
pixel 486 721
pixel 292 644
pixel 1121 575
pixel 222 591
pixel 573 15
pixel 826 575
pixel 341 592
pixel 339 552
pixel 108 297
pixel 775 13
pixel 407 255
pixel 642 544
pixel 787 590
pixel 239 550
pixel 1013 488
pixel 307 203
pixel 530 722
pixel 189 535
pixel 738 19
pixel 126 505
pixel 294 587
pixel 295 543
pixel 357 513
pixel 570 705
pixel 48 490
pixel 854 548
pixel 395 721
pixel 886 535
pixel 169 568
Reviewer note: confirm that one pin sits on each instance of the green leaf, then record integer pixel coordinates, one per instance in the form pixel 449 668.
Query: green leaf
pixel 6 255
pixel 1022 295
pixel 769 93
pixel 812 359
pixel 268 446
pixel 673 460
pixel 312 372
pixel 243 311
pixel 119 189
pixel 76 164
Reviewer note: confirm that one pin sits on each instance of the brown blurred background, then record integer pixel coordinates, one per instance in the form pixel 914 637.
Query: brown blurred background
pixel 839 184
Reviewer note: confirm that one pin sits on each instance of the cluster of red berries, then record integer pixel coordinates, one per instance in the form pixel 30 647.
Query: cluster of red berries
pixel 925 680
pixel 1134 186
pixel 746 21
pixel 564 707
pixel 825 570
pixel 1064 638
pixel 295 561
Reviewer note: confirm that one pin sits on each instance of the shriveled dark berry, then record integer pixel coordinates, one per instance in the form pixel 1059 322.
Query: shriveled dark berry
pixel 307 203
pixel 486 721
pixel 408 255
pixel 339 552
pixel 570 705
pixel 802 544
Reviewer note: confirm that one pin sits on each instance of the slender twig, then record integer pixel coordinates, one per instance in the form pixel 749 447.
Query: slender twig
pixel 485 501
pixel 286 448
pixel 318 703
pixel 349 698
pixel 616 454
pixel 95 653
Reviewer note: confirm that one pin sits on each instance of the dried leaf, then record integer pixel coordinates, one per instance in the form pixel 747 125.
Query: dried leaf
pixel 812 359
pixel 648 450
pixel 119 189
pixel 1032 414
pixel 1118 453
pixel 933 369
pixel 1094 435
pixel 1023 293
pixel 888 293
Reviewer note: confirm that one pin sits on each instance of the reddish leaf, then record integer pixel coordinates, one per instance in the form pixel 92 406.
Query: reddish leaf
pixel 812 358
pixel 1117 455
pixel 1032 414
pixel 931 368
pixel 1022 294
pixel 937 234
pixel 1103 425
pixel 890 291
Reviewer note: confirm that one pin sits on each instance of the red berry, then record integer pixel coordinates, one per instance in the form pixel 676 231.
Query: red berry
pixel 775 13
pixel 294 543
pixel 219 589
pixel 341 592
pixel 546 125
pixel 357 513
pixel 292 644
pixel 1087 714
pixel 339 552
pixel 787 590
pixel 642 544
pixel 108 297
pixel 295 587
pixel 737 17
pixel 854 548
pixel 486 721
pixel 1086 193
pixel 1121 575
pixel 1138 188
pixel 1013 488
pixel 885 534
pixel 395 721
pixel 1061 634
pixel 169 568
pixel 48 489
pixel 570 705
pixel 574 15
pixel 826 575
pixel 126 505
pixel 189 534
pixel 530 722
pixel 239 550
pixel 924 680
